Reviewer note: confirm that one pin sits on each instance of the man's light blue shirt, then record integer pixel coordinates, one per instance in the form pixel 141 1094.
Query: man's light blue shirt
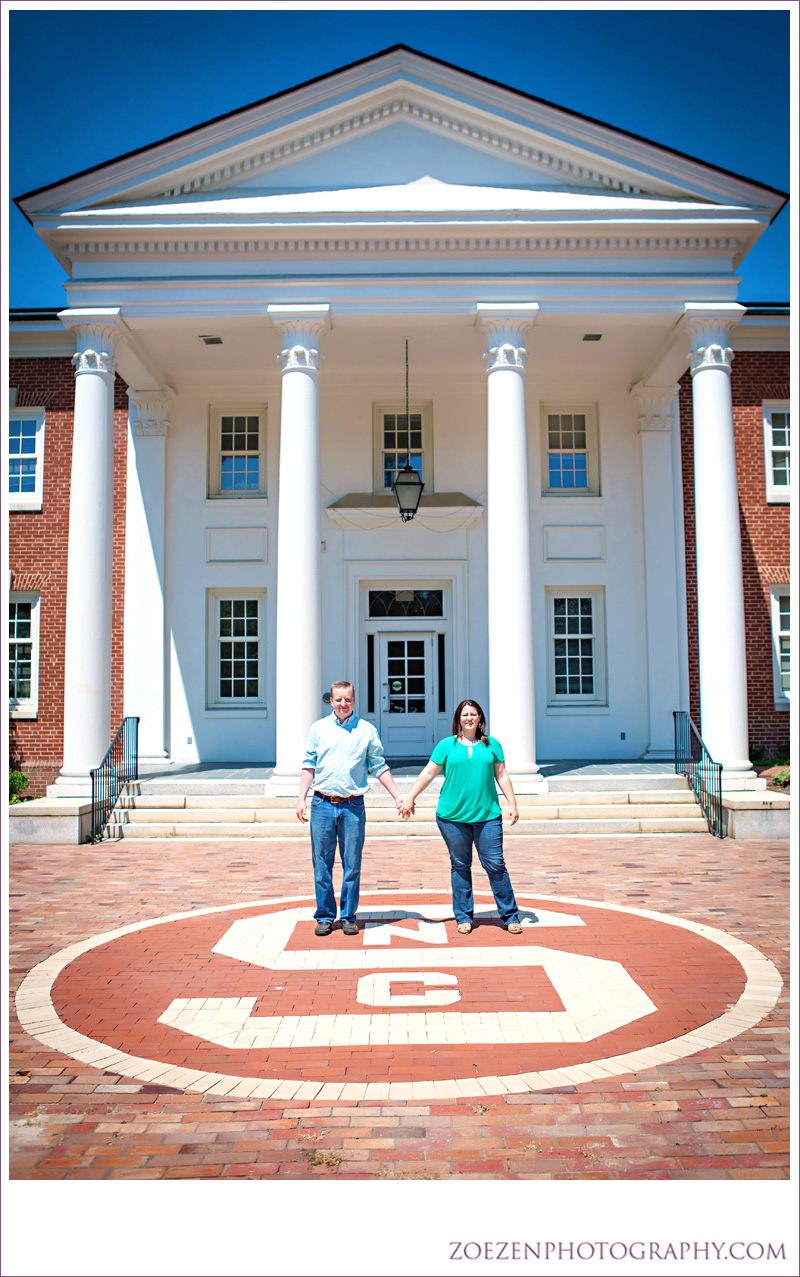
pixel 342 753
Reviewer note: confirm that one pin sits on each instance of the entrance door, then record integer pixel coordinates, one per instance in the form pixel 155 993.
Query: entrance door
pixel 406 676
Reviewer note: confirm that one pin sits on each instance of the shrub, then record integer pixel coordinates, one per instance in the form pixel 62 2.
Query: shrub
pixel 757 753
pixel 782 753
pixel 17 781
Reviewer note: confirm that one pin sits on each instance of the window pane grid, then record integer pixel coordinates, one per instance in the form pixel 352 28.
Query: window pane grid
pixel 779 445
pixel 784 645
pixel 20 651
pixel 239 643
pixel 240 454
pixel 402 442
pixel 406 675
pixel 567 450
pixel 22 455
pixel 574 646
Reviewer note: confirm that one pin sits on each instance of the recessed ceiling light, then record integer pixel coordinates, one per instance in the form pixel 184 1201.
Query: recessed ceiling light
pixel 211 341
pixel 592 336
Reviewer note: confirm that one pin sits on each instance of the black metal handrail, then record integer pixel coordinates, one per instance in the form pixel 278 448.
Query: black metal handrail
pixel 120 765
pixel 693 760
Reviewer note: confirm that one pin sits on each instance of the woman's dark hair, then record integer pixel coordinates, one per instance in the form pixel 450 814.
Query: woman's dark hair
pixel 482 734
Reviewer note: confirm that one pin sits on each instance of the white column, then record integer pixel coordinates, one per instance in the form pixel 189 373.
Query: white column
pixel 720 591
pixel 145 661
pixel 298 646
pixel 512 708
pixel 87 649
pixel 658 413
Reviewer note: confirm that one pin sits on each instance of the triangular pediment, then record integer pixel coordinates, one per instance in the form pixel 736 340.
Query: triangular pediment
pixel 386 123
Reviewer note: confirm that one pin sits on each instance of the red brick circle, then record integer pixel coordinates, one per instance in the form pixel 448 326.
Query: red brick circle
pixel 115 992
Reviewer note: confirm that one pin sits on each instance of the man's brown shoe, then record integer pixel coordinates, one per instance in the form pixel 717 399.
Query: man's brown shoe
pixel 349 928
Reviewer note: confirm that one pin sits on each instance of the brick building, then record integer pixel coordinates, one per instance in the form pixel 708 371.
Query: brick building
pixel 551 418
pixel 760 391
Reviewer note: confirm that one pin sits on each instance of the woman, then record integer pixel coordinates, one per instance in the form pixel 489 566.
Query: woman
pixel 468 811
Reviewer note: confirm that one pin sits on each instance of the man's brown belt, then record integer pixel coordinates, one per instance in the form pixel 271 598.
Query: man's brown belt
pixel 335 798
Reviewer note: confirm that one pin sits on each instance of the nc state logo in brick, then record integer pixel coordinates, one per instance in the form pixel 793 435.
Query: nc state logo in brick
pixel 598 995
pixel 248 1001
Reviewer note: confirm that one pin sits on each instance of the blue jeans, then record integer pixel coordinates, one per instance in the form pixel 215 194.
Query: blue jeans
pixel 488 838
pixel 333 823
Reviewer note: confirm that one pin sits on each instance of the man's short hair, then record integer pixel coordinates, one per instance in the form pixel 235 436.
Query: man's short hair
pixel 340 683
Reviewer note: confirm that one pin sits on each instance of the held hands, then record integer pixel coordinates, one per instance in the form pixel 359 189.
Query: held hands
pixel 405 808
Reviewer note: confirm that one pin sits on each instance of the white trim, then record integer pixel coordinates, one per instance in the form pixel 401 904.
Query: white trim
pixel 592 489
pixel 234 707
pixel 776 494
pixel 29 707
pixel 425 410
pixel 599 698
pixel 440 574
pixel 776 593
pixel 216 412
pixel 28 500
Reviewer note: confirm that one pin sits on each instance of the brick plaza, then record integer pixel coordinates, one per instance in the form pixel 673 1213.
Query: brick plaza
pixel 718 1113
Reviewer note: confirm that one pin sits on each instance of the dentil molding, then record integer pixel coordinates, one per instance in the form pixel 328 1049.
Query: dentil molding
pixel 447 122
pixel 398 245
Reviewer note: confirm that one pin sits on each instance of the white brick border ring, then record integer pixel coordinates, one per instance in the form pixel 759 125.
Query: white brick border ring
pixel 39 1018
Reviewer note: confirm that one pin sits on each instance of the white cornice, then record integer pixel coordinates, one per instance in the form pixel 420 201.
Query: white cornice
pixel 401 85
pixel 435 113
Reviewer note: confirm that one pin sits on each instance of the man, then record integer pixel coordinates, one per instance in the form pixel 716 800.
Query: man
pixel 341 749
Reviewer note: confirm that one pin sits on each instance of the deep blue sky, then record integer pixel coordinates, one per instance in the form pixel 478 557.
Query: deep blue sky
pixel 713 83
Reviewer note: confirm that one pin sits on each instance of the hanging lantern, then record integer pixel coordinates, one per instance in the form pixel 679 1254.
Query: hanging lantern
pixel 408 484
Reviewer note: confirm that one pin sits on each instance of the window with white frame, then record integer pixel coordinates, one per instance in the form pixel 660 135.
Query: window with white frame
pixel 25 458
pixel 236 620
pixel 776 450
pixel 781 643
pixel 576 646
pixel 23 655
pixel 401 438
pixel 570 462
pixel 237 451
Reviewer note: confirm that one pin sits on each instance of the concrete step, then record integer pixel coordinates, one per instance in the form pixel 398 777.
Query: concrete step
pixel 195 814
pixel 664 781
pixel 415 829
pixel 575 804
pixel 383 801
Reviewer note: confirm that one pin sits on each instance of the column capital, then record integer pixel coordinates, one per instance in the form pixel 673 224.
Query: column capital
pixel 504 325
pixel 96 334
pixel 654 403
pixel 708 333
pixel 149 411
pixel 301 329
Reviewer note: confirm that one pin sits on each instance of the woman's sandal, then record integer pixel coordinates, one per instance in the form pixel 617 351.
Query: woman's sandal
pixel 514 929
pixel 464 928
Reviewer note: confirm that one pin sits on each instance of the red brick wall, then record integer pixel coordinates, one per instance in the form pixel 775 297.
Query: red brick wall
pixel 38 561
pixel 755 377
